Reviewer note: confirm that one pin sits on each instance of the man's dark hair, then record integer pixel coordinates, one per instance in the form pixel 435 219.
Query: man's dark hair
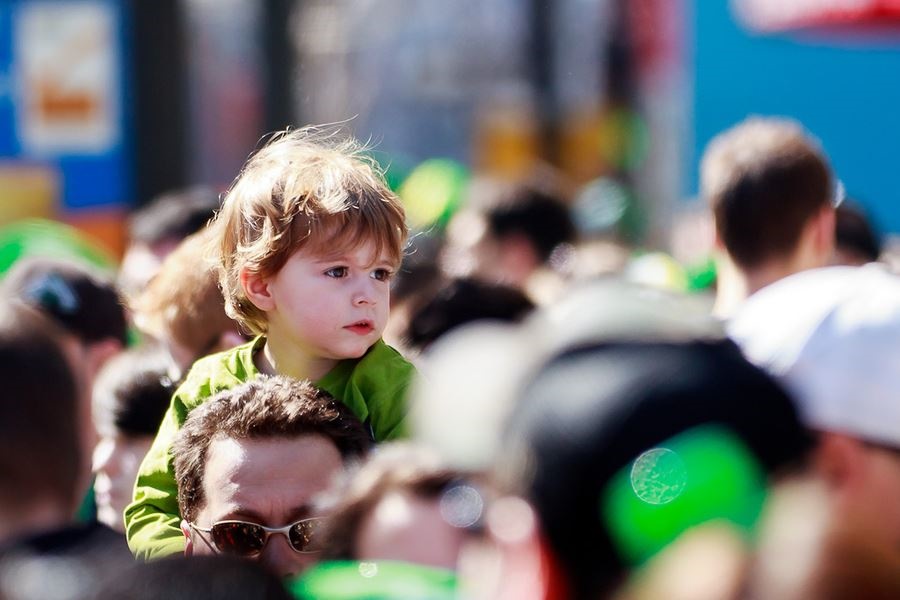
pixel 40 451
pixel 855 234
pixel 266 407
pixel 591 413
pixel 764 179
pixel 174 215
pixel 218 577
pixel 132 392
pixel 526 209
pixel 463 301
pixel 82 300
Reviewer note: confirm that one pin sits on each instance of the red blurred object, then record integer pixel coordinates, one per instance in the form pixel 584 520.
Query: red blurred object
pixel 785 15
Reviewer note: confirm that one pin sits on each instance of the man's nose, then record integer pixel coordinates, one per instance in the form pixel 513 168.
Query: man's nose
pixel 279 558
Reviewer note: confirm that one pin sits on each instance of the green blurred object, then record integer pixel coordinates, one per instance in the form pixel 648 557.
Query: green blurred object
pixel 433 191
pixel 382 580
pixel 702 275
pixel 51 239
pixel 624 138
pixel 701 475
pixel 87 511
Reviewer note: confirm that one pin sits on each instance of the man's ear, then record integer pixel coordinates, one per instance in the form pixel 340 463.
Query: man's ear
pixel 256 288
pixel 717 243
pixel 838 459
pixel 826 231
pixel 188 540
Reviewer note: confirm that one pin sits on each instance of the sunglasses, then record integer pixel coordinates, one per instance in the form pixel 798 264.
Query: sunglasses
pixel 240 538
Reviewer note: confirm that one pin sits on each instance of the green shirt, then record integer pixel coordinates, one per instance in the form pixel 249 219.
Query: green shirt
pixel 374 387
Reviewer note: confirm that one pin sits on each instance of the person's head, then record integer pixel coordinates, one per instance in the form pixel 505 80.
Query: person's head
pixel 79 298
pixel 856 241
pixel 831 336
pixel 461 301
pixel 192 578
pixel 622 447
pixel 130 397
pixel 182 306
pixel 259 454
pixel 309 235
pixel 44 464
pixel 771 192
pixel 404 504
pixel 156 229
pixel 507 231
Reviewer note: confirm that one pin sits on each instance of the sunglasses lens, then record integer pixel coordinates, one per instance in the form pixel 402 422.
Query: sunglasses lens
pixel 241 539
pixel 303 536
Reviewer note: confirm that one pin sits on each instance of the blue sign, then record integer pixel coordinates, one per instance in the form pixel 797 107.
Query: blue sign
pixel 62 97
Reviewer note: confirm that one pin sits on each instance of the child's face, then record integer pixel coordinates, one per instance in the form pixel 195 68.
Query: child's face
pixel 332 307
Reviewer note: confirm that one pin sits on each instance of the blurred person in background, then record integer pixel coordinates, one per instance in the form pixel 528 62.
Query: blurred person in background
pixel 507 234
pixel 45 465
pixel 130 397
pixel 773 197
pixel 182 307
pixel 249 464
pixel 158 228
pixel 86 304
pixel 856 241
pixel 404 504
pixel 194 578
pixel 831 336
pixel 615 451
pixel 79 298
pixel 460 301
pixel 416 280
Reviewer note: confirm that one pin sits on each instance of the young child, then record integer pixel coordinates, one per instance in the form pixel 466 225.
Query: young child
pixel 308 237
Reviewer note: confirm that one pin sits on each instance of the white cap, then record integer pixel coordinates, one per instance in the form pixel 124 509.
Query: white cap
pixel 833 337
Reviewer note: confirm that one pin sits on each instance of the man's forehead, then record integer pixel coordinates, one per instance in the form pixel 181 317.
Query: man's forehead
pixel 273 477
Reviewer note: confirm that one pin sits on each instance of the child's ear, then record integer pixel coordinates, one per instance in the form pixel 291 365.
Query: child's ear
pixel 256 288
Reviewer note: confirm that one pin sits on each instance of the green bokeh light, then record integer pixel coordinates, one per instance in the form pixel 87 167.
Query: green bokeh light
pixel 701 475
pixel 433 191
pixel 381 580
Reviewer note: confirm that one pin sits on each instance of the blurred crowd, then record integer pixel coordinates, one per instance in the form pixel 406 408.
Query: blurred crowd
pixel 317 385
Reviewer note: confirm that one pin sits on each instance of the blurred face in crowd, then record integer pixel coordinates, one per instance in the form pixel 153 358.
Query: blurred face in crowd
pixel 116 460
pixel 867 484
pixel 410 528
pixel 270 482
pixel 472 251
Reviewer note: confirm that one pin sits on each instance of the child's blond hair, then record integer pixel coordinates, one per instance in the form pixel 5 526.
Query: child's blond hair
pixel 307 188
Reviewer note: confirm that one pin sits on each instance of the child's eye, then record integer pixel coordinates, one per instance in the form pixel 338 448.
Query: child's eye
pixel 382 274
pixel 337 272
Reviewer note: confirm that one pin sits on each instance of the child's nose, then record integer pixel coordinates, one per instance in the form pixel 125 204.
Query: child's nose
pixel 364 295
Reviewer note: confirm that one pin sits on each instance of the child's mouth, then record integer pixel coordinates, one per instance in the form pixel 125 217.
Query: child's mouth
pixel 361 327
